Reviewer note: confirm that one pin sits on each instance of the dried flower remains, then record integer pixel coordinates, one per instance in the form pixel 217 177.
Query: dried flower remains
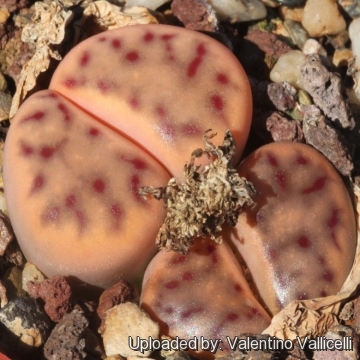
pixel 207 198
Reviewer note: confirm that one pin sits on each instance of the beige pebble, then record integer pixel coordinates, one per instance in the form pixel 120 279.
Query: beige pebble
pixel 312 46
pixel 341 57
pixel 124 321
pixel 4 15
pixel 288 67
pixel 322 17
pixel 288 13
pixel 3 83
pixel 31 273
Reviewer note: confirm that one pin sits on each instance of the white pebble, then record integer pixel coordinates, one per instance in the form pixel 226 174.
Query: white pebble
pixel 124 321
pixel 312 46
pixel 288 67
pixel 354 34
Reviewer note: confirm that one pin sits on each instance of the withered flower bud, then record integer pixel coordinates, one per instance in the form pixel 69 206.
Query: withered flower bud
pixel 207 198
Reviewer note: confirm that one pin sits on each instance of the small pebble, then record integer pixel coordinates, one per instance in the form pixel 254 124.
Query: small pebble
pixel 3 297
pixel 342 57
pixel 56 294
pixel 124 321
pixel 195 14
pixel 354 33
pixel 67 339
pixel 312 46
pixel 288 13
pixel 284 129
pixel 31 273
pixel 351 7
pixel 322 17
pixel 4 15
pixel 327 140
pixel 238 10
pixel 338 332
pixel 25 319
pixel 298 34
pixel 119 293
pixel 288 67
pixel 282 95
pixel 326 91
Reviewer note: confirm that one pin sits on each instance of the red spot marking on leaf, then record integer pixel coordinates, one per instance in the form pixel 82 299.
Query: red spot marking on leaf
pixel 334 240
pixel 210 248
pixel 323 293
pixel 190 129
pixel 26 150
pixel 167 131
pixel 222 78
pixel 328 276
pixel 99 186
pixel 38 183
pixel 321 260
pixel 116 211
pixel 80 218
pixel 116 43
pixel 94 131
pixel 317 185
pixel 71 82
pixel 172 284
pixel 63 108
pixel 201 51
pixel 272 253
pixel 102 86
pixel 304 242
pixel 178 260
pixel 138 164
pixel 102 38
pixel 132 56
pixel 85 57
pixel 194 65
pixel 70 201
pixel 187 276
pixel 281 180
pixel 232 317
pixel 51 214
pixel 214 258
pixel 167 37
pixel 302 296
pixel 259 217
pixel 301 160
pixel 252 313
pixel 47 152
pixel 135 186
pixel 169 310
pixel 237 288
pixel 188 313
pixel 149 36
pixel 272 159
pixel 160 111
pixel 39 115
pixel 217 103
pixel 333 221
pixel 134 103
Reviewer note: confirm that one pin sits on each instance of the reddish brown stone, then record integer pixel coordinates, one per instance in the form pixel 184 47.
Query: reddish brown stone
pixel 56 294
pixel 195 14
pixel 119 293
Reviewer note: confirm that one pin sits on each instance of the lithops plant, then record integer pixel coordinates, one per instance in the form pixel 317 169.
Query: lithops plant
pixel 125 109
